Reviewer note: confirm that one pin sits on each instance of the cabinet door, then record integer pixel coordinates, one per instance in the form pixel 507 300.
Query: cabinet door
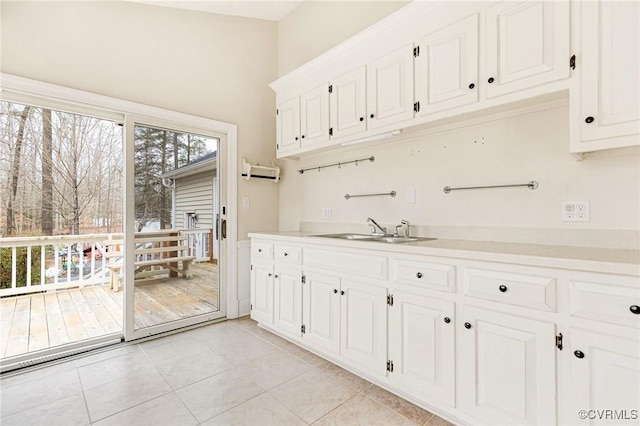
pixel 609 70
pixel 288 300
pixel 288 125
pixel 348 103
pixel 447 67
pixel 262 291
pixel 527 45
pixel 422 346
pixel 321 311
pixel 507 369
pixel 314 116
pixel 390 88
pixel 364 325
pixel 605 377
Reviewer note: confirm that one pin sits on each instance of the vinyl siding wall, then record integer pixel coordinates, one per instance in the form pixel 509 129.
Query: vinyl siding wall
pixel 195 194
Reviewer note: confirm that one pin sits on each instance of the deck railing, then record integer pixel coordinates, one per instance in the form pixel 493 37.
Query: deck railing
pixel 52 263
pixel 201 244
pixel 36 264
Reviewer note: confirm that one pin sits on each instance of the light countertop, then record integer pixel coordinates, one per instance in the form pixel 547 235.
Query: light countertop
pixel 626 262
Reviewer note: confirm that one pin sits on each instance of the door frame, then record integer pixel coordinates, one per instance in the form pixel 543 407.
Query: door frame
pixel 15 88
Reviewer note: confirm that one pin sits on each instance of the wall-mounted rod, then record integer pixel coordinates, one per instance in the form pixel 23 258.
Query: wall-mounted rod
pixel 372 158
pixel 392 193
pixel 263 177
pixel 531 185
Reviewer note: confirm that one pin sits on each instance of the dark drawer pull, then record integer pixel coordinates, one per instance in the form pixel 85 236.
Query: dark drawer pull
pixel 335 290
pixel 419 275
pixel 635 309
pixel 276 275
pixel 447 320
pixel 503 288
pixel 259 250
pixel 467 325
pixel 341 292
pixel 579 354
pixel 269 273
pixel 286 254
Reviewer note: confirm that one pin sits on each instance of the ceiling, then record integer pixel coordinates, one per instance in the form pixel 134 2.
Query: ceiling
pixel 260 9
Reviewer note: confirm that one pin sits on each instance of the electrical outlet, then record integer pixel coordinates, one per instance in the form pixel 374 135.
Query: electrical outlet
pixel 245 202
pixel 326 213
pixel 576 211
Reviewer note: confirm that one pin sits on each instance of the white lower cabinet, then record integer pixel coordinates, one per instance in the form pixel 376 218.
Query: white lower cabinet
pixel 288 300
pixel 422 346
pixel 262 291
pixel 346 317
pixel 507 368
pixel 605 372
pixel 363 322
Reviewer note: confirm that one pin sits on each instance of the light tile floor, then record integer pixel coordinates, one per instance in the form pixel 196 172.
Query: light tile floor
pixel 230 373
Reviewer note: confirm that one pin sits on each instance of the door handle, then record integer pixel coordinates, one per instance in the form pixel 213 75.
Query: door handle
pixel 223 229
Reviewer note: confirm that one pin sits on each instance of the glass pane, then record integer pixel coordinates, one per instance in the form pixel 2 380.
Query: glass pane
pixel 60 199
pixel 176 275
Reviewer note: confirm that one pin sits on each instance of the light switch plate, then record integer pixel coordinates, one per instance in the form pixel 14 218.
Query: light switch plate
pixel 326 213
pixel 411 196
pixel 245 202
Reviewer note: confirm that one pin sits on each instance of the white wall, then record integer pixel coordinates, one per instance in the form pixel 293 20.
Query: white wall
pixel 533 146
pixel 207 65
pixel 316 26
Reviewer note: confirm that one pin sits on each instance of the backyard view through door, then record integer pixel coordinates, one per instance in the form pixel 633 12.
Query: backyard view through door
pixel 60 201
pixel 176 255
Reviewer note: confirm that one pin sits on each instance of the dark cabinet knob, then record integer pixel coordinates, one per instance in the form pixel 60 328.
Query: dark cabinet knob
pixel 335 291
pixel 635 309
pixel 269 273
pixel 491 80
pixel 371 116
pixel 341 292
pixel 471 86
pixel 579 354
pixel 296 138
pixel 589 120
pixel 302 136
pixel 361 118
pixel 503 288
pixel 259 250
pixel 467 325
pixel 286 254
pixel 419 275
pixel 447 320
pixel 276 275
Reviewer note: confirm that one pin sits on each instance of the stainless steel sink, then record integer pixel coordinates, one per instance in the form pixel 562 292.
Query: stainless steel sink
pixel 366 237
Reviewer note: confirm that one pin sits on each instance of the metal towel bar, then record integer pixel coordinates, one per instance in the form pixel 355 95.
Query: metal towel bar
pixel 372 158
pixel 531 185
pixel 392 193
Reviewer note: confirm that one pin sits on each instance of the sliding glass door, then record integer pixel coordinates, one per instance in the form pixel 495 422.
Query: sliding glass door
pixel 171 270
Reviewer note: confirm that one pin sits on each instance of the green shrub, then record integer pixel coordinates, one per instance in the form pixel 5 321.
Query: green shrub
pixel 21 266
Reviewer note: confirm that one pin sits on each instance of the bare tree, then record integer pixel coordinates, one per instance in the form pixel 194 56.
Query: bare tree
pixel 15 172
pixel 47 173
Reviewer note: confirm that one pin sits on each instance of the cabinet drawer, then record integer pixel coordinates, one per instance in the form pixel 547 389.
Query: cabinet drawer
pixel 606 301
pixel 537 292
pixel 288 254
pixel 361 264
pixel 261 249
pixel 424 275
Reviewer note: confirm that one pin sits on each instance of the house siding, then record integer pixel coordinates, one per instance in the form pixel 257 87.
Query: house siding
pixel 195 194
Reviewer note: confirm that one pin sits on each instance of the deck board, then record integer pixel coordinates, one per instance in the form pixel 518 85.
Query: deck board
pixel 38 321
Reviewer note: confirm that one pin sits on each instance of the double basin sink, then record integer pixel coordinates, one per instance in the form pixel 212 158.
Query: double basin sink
pixel 374 238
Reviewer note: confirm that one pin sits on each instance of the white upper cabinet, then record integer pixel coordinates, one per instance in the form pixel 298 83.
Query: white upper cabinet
pixel 527 44
pixel 446 68
pixel 314 116
pixel 390 88
pixel 348 103
pixel 288 125
pixel 606 107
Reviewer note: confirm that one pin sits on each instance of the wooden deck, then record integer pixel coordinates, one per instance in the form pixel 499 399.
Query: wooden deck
pixel 39 321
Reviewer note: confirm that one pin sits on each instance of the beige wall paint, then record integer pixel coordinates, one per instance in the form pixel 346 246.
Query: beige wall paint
pixel 316 26
pixel 208 65
pixel 533 146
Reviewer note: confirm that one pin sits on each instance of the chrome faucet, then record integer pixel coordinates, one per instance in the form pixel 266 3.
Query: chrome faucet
pixel 404 224
pixel 374 226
